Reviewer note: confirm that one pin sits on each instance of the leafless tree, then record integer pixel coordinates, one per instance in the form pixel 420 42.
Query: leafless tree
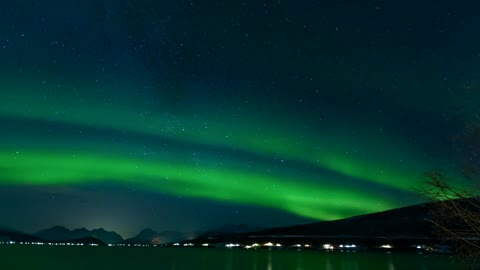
pixel 456 208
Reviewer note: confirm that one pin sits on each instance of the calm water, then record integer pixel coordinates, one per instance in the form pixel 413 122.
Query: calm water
pixel 31 257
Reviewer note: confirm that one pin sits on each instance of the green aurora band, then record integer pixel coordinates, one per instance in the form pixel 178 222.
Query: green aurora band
pixel 305 199
pixel 47 162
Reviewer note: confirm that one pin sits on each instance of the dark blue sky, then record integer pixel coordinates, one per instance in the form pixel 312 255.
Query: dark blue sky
pixel 187 115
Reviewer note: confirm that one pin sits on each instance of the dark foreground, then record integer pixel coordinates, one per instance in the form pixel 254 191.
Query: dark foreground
pixel 33 257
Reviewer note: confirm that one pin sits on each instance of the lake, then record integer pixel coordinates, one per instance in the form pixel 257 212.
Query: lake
pixel 46 257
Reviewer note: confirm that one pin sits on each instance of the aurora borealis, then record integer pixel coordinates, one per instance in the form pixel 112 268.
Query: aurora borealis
pixel 133 114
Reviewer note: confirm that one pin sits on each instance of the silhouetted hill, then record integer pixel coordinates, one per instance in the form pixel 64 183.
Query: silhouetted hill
pixel 8 234
pixel 3 228
pixel 149 236
pixel 60 233
pixel 404 225
pixel 56 233
pixel 408 222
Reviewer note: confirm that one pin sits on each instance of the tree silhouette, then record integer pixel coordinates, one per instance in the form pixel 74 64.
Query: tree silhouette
pixel 456 213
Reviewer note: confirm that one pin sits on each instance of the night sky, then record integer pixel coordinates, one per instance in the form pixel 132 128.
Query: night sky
pixel 186 115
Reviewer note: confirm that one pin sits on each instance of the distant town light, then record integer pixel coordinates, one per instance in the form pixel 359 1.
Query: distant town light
pixel 327 246
pixel 269 244
pixel 278 245
pixel 386 246
pixel 205 245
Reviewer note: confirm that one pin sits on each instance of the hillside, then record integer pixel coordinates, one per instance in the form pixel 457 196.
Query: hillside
pixel 402 226
pixel 60 233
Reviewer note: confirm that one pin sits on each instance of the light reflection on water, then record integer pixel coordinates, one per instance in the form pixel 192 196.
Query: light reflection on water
pixel 299 261
pixel 305 260
pixel 255 264
pixel 269 264
pixel 328 264
pixel 229 265
pixel 214 259
pixel 390 262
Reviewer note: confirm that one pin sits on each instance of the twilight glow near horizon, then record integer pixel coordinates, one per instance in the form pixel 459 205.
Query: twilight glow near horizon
pixel 126 115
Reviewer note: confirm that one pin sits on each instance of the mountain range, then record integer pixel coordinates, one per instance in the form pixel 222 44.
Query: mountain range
pixel 402 224
pixel 60 233
pixel 96 236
